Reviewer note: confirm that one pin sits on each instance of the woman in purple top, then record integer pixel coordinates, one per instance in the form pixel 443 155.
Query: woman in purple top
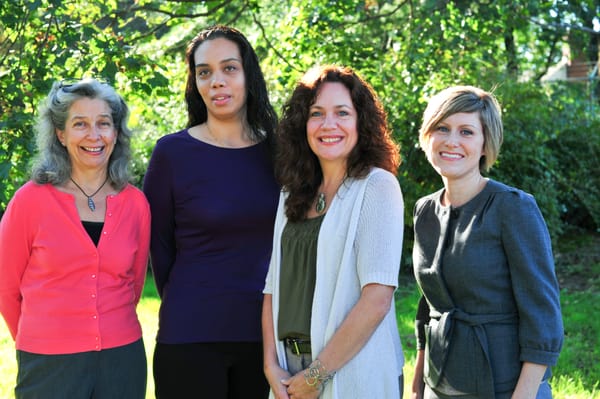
pixel 213 198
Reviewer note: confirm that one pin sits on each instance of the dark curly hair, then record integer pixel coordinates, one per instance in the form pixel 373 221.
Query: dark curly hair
pixel 297 167
pixel 261 115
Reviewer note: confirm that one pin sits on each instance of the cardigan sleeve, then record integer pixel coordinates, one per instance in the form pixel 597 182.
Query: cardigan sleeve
pixel 15 247
pixel 378 243
pixel 527 245
pixel 158 189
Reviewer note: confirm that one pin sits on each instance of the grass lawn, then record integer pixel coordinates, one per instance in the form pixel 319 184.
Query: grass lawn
pixel 577 375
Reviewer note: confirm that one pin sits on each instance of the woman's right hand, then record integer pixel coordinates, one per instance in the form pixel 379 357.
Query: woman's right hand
pixel 418 387
pixel 418 384
pixel 275 375
pixel 416 395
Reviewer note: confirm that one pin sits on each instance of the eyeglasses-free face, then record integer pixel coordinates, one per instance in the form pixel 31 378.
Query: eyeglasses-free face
pixel 220 78
pixel 89 134
pixel 455 146
pixel 331 128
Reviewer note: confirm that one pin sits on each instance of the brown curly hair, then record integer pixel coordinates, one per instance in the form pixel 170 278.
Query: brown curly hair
pixel 297 167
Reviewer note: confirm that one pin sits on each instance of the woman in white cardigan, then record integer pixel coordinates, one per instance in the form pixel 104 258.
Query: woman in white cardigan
pixel 329 324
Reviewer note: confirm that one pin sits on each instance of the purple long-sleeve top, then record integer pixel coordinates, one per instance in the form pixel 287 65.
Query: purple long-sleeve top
pixel 213 211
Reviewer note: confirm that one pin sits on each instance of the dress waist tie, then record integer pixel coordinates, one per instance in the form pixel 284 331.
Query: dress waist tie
pixel 439 339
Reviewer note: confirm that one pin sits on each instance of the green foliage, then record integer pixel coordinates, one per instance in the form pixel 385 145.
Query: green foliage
pixel 550 150
pixel 406 50
pixel 576 148
pixel 42 41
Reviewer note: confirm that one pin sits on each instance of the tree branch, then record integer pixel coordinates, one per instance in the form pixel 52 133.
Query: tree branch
pixel 277 53
pixel 563 26
pixel 176 15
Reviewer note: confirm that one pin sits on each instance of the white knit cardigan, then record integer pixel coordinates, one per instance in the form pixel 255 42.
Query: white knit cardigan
pixel 360 242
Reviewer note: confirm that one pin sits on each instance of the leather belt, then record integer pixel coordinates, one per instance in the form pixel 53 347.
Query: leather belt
pixel 298 346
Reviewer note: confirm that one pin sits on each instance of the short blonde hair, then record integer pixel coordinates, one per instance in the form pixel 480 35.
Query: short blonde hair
pixel 468 99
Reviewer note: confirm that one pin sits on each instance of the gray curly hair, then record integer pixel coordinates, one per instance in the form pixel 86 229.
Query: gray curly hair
pixel 52 163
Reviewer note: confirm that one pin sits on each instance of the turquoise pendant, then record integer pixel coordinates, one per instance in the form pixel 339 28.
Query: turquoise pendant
pixel 91 204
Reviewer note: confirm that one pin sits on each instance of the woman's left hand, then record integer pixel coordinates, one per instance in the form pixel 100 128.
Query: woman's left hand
pixel 297 387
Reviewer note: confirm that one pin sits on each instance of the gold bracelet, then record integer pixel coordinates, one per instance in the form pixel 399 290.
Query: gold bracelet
pixel 316 373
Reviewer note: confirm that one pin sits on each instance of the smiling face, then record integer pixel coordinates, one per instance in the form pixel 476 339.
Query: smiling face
pixel 455 146
pixel 332 122
pixel 220 78
pixel 89 135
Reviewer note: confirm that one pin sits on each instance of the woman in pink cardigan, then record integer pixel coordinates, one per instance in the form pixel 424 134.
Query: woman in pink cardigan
pixel 73 253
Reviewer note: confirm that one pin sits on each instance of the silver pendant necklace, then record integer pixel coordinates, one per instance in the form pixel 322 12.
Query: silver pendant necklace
pixel 90 201
pixel 320 206
pixel 321 203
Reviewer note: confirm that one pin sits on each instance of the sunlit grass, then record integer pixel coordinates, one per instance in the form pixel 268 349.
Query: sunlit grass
pixel 407 297
pixel 8 365
pixel 148 315
pixel 577 375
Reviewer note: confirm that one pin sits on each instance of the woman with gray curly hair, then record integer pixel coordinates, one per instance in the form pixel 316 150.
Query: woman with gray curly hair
pixel 74 245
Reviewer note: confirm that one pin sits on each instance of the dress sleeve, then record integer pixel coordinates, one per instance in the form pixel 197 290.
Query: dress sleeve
pixel 158 184
pixel 421 319
pixel 527 245
pixel 15 247
pixel 378 242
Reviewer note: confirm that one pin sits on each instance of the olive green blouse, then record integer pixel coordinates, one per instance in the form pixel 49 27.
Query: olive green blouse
pixel 298 274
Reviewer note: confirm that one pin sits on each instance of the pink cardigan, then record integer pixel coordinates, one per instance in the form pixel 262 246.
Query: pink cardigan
pixel 59 293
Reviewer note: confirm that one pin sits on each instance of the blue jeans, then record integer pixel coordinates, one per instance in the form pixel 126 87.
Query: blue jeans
pixel 545 391
pixel 116 373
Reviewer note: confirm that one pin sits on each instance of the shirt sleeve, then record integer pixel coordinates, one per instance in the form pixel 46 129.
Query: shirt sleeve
pixel 158 184
pixel 15 247
pixel 379 235
pixel 528 249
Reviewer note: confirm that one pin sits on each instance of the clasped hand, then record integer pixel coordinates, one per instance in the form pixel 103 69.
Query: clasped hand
pixel 297 388
pixel 285 386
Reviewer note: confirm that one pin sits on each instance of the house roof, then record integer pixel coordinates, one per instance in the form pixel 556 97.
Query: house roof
pixel 572 70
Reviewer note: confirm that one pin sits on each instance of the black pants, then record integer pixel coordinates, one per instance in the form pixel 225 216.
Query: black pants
pixel 116 373
pixel 223 370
